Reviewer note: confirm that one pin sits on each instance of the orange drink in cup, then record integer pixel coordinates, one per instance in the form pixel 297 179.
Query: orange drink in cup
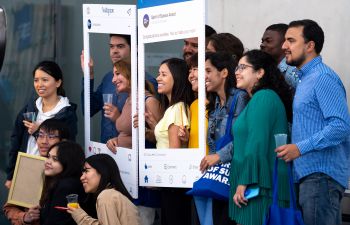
pixel 73 205
pixel 72 201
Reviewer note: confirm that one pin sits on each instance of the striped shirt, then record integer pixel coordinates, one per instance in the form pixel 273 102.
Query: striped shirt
pixel 289 72
pixel 321 123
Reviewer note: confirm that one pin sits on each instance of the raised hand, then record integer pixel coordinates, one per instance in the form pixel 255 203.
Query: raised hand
pixel 91 64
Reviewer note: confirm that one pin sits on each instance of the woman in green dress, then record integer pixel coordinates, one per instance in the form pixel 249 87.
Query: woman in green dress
pixel 253 159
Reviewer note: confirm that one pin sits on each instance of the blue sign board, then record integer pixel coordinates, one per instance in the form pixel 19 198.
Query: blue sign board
pixel 150 3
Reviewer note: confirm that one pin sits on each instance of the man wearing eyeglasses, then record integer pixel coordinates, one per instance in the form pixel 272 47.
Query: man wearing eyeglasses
pixel 51 131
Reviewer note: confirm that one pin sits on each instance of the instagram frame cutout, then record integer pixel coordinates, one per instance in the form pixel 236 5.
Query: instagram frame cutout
pixel 112 19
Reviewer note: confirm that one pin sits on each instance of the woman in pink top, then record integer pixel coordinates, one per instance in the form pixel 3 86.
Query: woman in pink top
pixel 122 81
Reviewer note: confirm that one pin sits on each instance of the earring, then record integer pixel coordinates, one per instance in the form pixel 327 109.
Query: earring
pixel 256 84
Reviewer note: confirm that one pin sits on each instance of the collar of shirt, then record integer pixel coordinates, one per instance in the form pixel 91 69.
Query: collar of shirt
pixel 308 66
pixel 283 65
pixel 218 104
pixel 228 100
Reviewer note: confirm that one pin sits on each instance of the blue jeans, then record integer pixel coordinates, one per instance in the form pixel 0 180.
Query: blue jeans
pixel 319 198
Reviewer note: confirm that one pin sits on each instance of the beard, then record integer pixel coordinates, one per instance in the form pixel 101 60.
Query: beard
pixel 187 55
pixel 298 61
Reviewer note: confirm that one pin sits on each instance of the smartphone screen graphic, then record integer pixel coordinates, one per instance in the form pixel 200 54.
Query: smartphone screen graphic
pixel 251 192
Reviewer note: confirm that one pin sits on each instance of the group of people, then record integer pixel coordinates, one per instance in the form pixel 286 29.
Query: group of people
pixel 63 176
pixel 51 134
pixel 282 88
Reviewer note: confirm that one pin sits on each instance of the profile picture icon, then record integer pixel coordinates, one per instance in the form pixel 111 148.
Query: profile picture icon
pixel 89 24
pixel 145 20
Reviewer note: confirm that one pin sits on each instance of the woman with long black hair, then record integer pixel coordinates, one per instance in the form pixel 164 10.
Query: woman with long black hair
pixel 222 95
pixel 101 180
pixel 176 96
pixel 266 114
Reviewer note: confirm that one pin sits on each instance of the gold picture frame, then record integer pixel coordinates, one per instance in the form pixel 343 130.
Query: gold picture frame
pixel 28 180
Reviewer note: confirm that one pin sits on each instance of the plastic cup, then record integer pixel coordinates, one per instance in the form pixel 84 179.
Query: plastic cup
pixel 29 116
pixel 107 98
pixel 72 201
pixel 280 139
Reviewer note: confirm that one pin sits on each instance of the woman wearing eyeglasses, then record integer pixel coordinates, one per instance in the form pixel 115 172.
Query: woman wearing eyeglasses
pixel 266 114
pixel 221 87
pixel 51 103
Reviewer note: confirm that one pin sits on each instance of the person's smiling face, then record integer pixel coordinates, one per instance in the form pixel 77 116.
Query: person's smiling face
pixel 193 78
pixel 165 81
pixel 246 76
pixel 90 179
pixel 45 85
pixel 46 140
pixel 121 83
pixel 52 166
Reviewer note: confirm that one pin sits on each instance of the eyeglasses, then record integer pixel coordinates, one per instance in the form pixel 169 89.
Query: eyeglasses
pixel 41 135
pixel 242 67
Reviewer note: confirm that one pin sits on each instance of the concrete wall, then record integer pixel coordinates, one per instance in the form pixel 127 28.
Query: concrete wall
pixel 248 20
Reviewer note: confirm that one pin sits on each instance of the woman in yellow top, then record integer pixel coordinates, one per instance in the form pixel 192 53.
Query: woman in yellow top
pixel 191 135
pixel 175 98
pixel 175 95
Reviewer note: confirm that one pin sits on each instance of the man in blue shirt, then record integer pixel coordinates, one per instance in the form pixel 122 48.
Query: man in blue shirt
pixel 119 49
pixel 321 127
pixel 271 43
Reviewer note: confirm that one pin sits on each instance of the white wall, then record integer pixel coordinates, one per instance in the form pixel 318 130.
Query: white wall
pixel 248 20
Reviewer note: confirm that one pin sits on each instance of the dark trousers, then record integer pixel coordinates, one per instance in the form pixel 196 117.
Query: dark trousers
pixel 220 213
pixel 319 197
pixel 175 206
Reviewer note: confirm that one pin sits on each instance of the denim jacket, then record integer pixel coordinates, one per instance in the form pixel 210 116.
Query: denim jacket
pixel 217 123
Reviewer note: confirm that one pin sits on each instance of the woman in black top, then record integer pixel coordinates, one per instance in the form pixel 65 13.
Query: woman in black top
pixel 62 177
pixel 51 103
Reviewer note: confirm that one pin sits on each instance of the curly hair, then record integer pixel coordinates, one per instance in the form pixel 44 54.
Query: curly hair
pixel 273 78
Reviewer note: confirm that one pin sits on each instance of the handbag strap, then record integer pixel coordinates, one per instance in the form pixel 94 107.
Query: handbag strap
pixel 231 113
pixel 227 137
pixel 292 198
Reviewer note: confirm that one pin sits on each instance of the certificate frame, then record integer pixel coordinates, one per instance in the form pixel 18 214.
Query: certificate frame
pixel 28 180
